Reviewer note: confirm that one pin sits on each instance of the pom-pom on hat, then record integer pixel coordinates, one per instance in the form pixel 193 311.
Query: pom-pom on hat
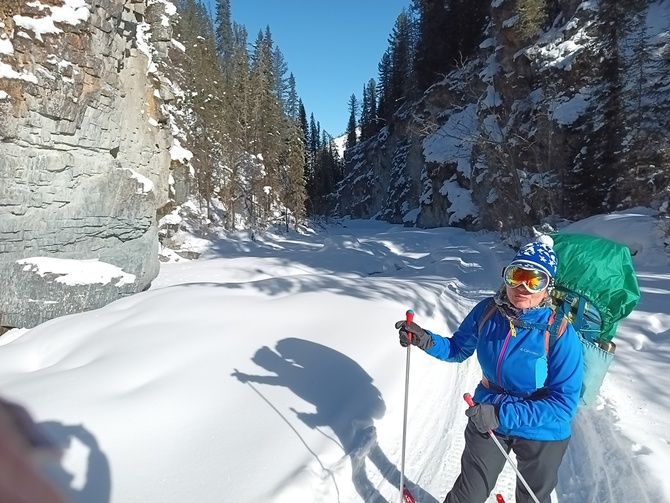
pixel 538 255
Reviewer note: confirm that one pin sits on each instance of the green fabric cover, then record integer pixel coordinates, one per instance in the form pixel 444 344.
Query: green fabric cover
pixel 600 270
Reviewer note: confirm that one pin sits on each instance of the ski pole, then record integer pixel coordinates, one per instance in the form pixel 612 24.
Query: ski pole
pixel 499 498
pixel 468 398
pixel 405 495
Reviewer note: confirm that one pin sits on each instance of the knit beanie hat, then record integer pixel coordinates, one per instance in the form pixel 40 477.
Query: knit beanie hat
pixel 538 255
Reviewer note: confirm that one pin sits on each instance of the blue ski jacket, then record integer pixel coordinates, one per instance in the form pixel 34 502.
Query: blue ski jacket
pixel 536 396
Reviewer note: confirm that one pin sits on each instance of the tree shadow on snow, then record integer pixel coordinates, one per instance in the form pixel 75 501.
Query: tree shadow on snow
pixel 345 400
pixel 96 483
pixel 345 263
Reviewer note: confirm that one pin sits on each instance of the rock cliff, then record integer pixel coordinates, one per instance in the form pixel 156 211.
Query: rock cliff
pixel 563 120
pixel 84 152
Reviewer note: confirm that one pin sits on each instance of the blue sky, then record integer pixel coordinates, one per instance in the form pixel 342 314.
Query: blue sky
pixel 332 48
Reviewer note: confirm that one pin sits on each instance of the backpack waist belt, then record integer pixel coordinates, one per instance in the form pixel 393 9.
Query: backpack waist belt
pixel 535 395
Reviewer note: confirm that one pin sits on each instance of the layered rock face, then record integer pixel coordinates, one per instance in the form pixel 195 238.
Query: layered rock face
pixel 84 153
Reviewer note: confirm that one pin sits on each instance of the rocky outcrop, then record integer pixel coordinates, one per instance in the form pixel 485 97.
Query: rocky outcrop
pixel 84 152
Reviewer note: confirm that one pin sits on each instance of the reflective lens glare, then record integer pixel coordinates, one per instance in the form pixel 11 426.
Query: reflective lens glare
pixel 534 281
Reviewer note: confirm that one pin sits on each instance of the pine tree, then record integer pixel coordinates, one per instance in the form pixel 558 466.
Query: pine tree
pixel 292 100
pixel 314 134
pixel 384 108
pixel 302 115
pixel 239 95
pixel 369 117
pixel 309 158
pixel 247 125
pixel 267 119
pixel 467 20
pixel 532 14
pixel 197 30
pixel 279 70
pixel 448 32
pixel 645 116
pixel 375 123
pixel 328 173
pixel 589 189
pixel 238 100
pixel 432 54
pixel 224 33
pixel 294 190
pixel 400 44
pixel 365 115
pixel 351 133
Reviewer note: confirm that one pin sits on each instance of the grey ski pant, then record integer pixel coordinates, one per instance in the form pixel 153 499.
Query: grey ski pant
pixel 482 462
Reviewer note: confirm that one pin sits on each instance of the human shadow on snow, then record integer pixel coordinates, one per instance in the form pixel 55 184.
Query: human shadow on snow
pixel 345 399
pixel 96 486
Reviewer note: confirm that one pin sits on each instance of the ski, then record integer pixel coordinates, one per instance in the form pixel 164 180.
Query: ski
pixel 407 496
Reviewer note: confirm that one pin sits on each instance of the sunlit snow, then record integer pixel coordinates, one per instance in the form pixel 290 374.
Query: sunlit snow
pixel 269 371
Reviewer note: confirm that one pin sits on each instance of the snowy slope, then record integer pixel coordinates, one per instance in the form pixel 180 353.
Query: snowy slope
pixel 269 370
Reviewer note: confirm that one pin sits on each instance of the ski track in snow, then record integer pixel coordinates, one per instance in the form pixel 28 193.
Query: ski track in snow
pixel 587 461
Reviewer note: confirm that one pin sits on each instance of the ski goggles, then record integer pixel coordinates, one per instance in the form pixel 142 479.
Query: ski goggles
pixel 533 280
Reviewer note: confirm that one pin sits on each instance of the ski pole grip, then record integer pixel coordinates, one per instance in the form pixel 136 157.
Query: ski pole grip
pixel 499 498
pixel 468 398
pixel 409 317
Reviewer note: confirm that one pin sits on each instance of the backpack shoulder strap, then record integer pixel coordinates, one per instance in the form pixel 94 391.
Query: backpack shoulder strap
pixel 554 330
pixel 491 310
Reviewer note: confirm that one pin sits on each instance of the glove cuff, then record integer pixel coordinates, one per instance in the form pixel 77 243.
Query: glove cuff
pixel 425 342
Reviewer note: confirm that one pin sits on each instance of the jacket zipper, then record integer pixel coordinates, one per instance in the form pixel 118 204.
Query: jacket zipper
pixel 500 358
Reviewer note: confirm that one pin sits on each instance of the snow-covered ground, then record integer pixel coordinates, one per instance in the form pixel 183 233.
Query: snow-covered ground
pixel 270 371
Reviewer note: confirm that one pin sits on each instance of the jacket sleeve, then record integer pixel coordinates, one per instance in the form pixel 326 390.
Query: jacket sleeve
pixel 463 343
pixel 564 383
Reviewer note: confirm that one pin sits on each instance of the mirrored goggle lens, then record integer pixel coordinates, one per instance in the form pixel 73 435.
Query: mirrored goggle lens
pixel 534 281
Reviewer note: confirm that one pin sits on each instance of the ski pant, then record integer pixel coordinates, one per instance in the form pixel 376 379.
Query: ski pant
pixel 481 463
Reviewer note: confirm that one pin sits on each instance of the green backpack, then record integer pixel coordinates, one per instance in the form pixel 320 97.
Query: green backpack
pixel 595 287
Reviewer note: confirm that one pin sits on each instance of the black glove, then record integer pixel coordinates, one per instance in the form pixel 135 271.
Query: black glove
pixel 484 416
pixel 411 333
